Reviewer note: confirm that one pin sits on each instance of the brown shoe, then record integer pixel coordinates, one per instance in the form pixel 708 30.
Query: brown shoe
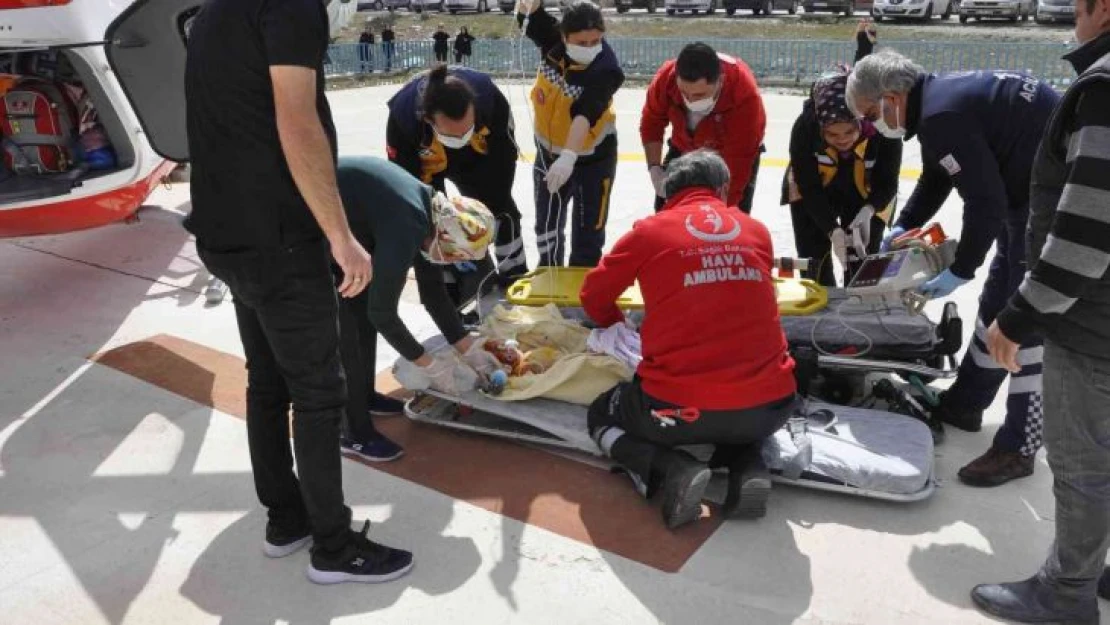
pixel 996 467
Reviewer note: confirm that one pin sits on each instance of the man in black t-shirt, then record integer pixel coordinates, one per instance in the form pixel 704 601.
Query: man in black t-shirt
pixel 266 211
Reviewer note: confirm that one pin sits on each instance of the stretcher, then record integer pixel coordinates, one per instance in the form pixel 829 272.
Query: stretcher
pixel 561 286
pixel 846 335
pixel 864 453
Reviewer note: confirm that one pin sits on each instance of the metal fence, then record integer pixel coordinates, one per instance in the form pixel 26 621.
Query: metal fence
pixel 797 61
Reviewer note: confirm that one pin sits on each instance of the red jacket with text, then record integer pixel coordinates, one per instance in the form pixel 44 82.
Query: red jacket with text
pixel 711 334
pixel 734 128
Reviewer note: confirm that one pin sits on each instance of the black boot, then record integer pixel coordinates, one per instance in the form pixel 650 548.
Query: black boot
pixel 749 485
pixel 1031 601
pixel 957 417
pixel 683 481
pixel 1104 584
pixel 654 468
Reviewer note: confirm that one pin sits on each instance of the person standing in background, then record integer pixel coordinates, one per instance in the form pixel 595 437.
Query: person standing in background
pixel 366 49
pixel 463 47
pixel 440 37
pixel 387 46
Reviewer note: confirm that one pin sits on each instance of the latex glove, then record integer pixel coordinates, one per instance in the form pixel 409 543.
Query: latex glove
pixel 894 233
pixel 528 7
pixel 942 285
pixel 559 171
pixel 658 177
pixel 839 240
pixel 466 267
pixel 447 374
pixel 861 227
pixel 480 360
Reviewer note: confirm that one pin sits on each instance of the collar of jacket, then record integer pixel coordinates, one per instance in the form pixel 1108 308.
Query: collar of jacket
pixel 913 107
pixel 1089 53
pixel 688 195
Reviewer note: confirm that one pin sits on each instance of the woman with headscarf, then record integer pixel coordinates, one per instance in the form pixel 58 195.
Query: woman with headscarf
pixel 842 177
pixel 463 46
pixel 405 224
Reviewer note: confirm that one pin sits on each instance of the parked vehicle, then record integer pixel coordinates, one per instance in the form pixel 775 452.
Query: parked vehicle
pixel 1054 11
pixel 623 6
pixel 847 7
pixel 419 6
pixel 914 9
pixel 693 6
pixel 1005 9
pixel 454 6
pixel 766 7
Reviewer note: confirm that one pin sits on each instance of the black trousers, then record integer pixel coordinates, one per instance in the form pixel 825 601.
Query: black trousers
pixel 627 411
pixel 441 54
pixel 813 243
pixel 285 306
pixel 588 190
pixel 358 347
pixel 749 191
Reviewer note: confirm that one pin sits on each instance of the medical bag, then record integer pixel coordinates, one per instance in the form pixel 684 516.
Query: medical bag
pixel 38 127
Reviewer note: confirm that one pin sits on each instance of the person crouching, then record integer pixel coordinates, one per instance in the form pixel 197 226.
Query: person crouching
pixel 715 366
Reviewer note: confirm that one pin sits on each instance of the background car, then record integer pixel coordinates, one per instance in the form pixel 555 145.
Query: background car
pixel 623 6
pixel 847 7
pixel 766 7
pixel 1004 9
pixel 709 7
pixel 419 6
pixel 914 9
pixel 454 6
pixel 1054 11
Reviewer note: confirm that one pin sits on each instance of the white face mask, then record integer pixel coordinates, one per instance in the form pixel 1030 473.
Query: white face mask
pixel 454 143
pixel 583 55
pixel 881 125
pixel 700 106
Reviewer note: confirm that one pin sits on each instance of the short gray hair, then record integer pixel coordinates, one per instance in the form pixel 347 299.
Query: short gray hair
pixel 700 168
pixel 885 71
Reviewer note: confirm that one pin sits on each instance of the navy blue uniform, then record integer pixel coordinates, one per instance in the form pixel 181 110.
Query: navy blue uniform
pixel 484 169
pixel 979 132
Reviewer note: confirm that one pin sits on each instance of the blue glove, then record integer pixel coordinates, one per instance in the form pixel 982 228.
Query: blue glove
pixel 942 285
pixel 466 267
pixel 894 233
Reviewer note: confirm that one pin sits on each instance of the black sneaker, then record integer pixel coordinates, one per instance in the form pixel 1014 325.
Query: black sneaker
pixel 362 560
pixel 377 449
pixel 280 542
pixel 385 406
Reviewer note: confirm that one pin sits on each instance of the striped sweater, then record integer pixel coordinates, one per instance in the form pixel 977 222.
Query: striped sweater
pixel 1066 293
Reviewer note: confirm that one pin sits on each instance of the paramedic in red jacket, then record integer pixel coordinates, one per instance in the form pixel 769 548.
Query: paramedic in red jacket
pixel 710 101
pixel 715 366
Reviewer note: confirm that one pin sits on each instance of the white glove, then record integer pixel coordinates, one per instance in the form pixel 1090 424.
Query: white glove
pixel 840 245
pixel 559 171
pixel 619 340
pixel 527 7
pixel 447 374
pixel 658 177
pixel 861 228
pixel 480 360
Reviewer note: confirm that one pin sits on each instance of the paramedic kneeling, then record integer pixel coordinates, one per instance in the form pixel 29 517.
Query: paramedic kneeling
pixel 715 366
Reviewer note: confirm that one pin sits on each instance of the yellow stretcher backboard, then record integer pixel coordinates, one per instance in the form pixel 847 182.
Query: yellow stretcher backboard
pixel 561 286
